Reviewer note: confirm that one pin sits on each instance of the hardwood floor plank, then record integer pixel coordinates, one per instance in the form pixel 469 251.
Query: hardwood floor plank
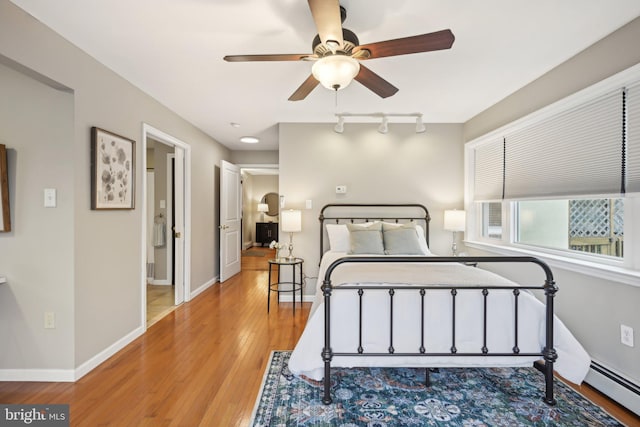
pixel 202 364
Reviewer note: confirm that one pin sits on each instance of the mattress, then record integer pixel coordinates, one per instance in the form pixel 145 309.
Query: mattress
pixel 572 363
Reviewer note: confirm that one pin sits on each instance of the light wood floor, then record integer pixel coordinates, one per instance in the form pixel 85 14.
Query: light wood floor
pixel 160 302
pixel 201 365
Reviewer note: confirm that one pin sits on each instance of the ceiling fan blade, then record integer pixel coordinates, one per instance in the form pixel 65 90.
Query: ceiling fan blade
pixel 326 15
pixel 283 57
pixel 415 44
pixel 304 89
pixel 375 83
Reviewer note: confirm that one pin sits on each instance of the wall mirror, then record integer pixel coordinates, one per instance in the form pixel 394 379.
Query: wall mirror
pixel 272 200
pixel 5 218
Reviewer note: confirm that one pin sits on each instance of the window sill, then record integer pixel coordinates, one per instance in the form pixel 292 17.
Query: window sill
pixel 603 271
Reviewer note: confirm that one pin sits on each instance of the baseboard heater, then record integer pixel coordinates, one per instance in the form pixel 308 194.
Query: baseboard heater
pixel 614 385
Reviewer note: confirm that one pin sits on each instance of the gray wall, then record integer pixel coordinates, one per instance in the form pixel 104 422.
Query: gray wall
pixel 398 167
pixel 100 275
pixel 36 124
pixel 592 308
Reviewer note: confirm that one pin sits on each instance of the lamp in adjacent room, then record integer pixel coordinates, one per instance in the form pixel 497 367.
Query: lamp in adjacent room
pixel 454 221
pixel 262 208
pixel 291 222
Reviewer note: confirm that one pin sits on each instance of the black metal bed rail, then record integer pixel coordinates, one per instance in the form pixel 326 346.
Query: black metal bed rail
pixel 549 288
pixel 421 216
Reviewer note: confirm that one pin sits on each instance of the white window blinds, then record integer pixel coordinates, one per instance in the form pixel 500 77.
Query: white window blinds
pixel 633 138
pixel 576 152
pixel 488 175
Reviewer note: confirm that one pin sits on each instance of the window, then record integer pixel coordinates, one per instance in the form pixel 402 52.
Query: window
pixel 564 181
pixel 492 220
pixel 586 225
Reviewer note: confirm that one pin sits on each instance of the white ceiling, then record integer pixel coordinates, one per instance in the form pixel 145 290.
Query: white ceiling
pixel 173 50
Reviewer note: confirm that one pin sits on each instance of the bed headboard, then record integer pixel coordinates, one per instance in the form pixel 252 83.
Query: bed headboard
pixel 342 213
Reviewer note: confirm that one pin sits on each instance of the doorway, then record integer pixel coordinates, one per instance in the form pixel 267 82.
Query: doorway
pixel 165 283
pixel 257 182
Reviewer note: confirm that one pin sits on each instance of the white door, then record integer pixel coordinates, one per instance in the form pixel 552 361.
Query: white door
pixel 230 216
pixel 178 231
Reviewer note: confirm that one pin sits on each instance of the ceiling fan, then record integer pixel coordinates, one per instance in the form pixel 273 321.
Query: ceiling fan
pixel 337 53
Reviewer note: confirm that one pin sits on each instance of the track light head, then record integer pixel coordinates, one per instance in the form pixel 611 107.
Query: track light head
pixel 384 126
pixel 339 127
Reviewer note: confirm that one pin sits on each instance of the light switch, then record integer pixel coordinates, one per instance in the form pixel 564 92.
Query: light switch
pixel 49 197
pixel 341 189
pixel 163 204
pixel 308 204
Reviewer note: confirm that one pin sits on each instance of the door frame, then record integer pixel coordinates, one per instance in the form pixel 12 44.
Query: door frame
pixel 150 131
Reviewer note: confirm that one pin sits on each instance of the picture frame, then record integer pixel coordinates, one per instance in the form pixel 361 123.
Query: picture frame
pixel 5 211
pixel 113 170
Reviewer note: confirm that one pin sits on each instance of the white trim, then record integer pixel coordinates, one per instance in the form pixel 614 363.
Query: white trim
pixel 602 271
pixel 169 204
pixel 289 298
pixel 615 391
pixel 105 354
pixel 161 282
pixel 203 288
pixel 37 375
pixel 148 130
pixel 70 375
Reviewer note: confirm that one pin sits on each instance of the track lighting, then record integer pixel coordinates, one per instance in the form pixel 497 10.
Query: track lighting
pixel 420 127
pixel 384 117
pixel 384 126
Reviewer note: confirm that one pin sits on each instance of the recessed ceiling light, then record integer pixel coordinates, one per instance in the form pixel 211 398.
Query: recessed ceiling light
pixel 235 125
pixel 249 140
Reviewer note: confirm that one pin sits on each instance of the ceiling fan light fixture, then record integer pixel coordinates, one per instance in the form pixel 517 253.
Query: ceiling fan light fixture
pixel 335 71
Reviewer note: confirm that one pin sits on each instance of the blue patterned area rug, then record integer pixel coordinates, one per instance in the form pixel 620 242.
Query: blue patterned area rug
pixel 377 397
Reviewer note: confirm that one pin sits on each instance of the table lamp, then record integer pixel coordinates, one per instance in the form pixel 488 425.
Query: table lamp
pixel 454 221
pixel 291 222
pixel 263 207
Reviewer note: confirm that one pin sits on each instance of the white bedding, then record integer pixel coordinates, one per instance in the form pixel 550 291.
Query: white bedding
pixel 572 363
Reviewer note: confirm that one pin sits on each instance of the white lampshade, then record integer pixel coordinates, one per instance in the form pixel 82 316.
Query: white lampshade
pixel 335 71
pixel 454 220
pixel 291 221
pixel 263 207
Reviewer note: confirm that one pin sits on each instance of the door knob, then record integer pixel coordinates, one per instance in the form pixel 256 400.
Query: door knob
pixel 177 234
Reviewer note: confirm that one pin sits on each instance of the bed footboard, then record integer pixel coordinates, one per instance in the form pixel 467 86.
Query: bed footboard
pixel 549 288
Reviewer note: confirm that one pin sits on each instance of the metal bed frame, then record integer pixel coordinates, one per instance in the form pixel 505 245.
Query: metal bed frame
pixel 549 288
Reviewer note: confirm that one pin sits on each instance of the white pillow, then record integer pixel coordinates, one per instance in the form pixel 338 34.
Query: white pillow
pixel 338 237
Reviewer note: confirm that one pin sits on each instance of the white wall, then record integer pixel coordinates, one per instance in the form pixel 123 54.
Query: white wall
pixel 398 167
pixel 103 249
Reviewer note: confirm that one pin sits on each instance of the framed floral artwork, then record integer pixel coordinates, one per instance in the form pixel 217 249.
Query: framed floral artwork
pixel 113 161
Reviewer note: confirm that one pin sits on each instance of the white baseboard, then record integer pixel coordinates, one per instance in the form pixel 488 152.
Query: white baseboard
pixel 289 298
pixel 70 375
pixel 615 385
pixel 164 282
pixel 204 287
pixel 101 357
pixel 38 375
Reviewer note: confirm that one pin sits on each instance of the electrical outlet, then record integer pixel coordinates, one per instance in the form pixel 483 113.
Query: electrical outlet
pixel 49 320
pixel 626 335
